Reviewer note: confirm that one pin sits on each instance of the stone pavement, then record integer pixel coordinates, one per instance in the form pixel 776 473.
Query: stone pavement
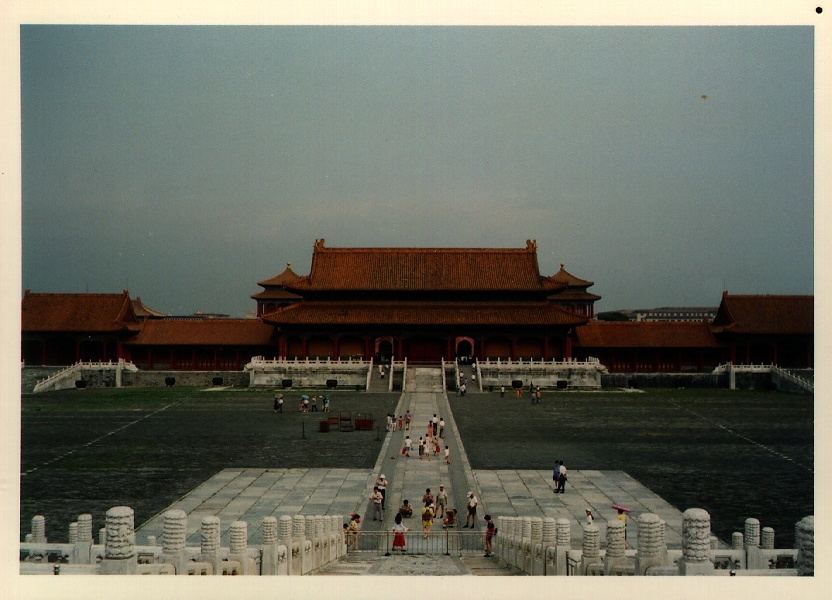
pixel 251 494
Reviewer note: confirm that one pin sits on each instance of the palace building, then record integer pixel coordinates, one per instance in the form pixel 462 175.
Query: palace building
pixel 423 304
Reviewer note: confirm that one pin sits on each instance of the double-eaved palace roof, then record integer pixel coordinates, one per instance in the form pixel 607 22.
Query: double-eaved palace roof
pixel 424 269
pixel 632 334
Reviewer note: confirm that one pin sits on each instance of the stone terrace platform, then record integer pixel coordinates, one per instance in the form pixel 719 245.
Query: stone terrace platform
pixel 252 494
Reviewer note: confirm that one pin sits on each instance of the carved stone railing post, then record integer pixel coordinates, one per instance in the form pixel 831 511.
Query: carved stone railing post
pixel 804 538
pixel 84 543
pixel 330 544
pixel 696 543
pixel 119 549
pixel 767 538
pixel 284 545
pixel 298 539
pixel 615 556
pixel 512 525
pixel 737 540
pixel 753 557
pixel 210 543
pixel 537 558
pixel 651 549
pixel 174 540
pixel 39 529
pixel 309 545
pixel 338 530
pixel 591 547
pixel 73 532
pixel 102 536
pixel 752 532
pixel 318 542
pixel 564 544
pixel 268 546
pixel 526 534
pixel 238 546
pixel 549 543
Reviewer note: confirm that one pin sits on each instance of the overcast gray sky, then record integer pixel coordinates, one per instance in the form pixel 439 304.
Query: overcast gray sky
pixel 187 163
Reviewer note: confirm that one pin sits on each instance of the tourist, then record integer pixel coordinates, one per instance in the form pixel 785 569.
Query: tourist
pixel 427 446
pixel 519 393
pixel 502 391
pixel 430 430
pixel 278 403
pixel 537 395
pixel 556 476
pixel 462 389
pixel 428 497
pixel 398 534
pixel 381 370
pixel 377 499
pixel 472 511
pixel 399 423
pixel 427 519
pixel 441 501
pixel 314 404
pixel 623 518
pixel 382 487
pixel 407 419
pixel 408 446
pixel 352 529
pixel 435 422
pixel 562 479
pixel 421 448
pixel 405 510
pixel 326 403
pixel 450 519
pixel 447 455
pixel 589 517
pixel 389 422
pixel 490 530
pixel 441 427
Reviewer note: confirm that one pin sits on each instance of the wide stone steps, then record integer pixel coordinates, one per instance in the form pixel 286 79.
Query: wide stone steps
pixel 351 564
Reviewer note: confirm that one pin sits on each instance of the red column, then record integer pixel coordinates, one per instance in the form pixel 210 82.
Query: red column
pixel 170 364
pixel 304 346
pixel 215 360
pixel 546 348
pixel 567 347
pixel 335 346
pixel 399 349
pixel 514 347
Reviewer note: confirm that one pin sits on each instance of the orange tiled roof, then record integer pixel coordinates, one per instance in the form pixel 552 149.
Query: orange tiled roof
pixel 428 269
pixel 142 311
pixel 218 332
pixel 766 314
pixel 617 334
pixel 565 277
pixel 275 294
pixel 77 312
pixel 424 313
pixel 287 275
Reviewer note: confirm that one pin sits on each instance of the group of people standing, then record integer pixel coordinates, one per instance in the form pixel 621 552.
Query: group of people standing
pixel 559 477
pixel 429 443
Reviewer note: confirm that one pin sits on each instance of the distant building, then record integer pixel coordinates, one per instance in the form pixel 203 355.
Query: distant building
pixel 676 313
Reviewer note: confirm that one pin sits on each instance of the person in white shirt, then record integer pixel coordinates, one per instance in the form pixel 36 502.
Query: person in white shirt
pixel 472 511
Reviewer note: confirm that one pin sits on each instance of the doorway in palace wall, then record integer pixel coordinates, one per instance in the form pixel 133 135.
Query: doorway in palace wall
pixel 464 350
pixel 384 350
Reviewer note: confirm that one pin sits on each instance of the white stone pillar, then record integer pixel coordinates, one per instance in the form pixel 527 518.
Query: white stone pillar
pixel 526 544
pixel 651 549
pixel 210 543
pixel 298 540
pixel 174 540
pixel 39 529
pixel 737 540
pixel 804 538
pixel 83 543
pixel 238 542
pixel 696 543
pixel 752 532
pixel 564 544
pixel 537 556
pixel 284 545
pixel 615 556
pixel 268 558
pixel 549 544
pixel 591 547
pixel 767 538
pixel 119 549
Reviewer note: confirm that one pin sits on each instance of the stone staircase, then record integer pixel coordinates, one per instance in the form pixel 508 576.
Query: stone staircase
pixel 378 384
pixel 424 379
pixel 351 564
